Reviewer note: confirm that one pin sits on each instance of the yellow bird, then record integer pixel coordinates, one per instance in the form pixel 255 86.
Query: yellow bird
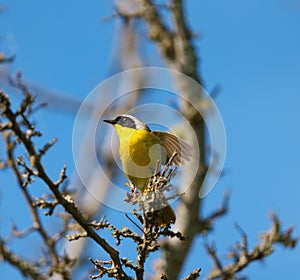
pixel 141 149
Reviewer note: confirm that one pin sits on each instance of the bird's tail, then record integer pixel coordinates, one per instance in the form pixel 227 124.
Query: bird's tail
pixel 166 216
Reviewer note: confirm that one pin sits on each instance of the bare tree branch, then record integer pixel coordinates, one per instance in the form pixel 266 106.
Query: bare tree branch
pixel 38 170
pixel 242 256
pixel 37 223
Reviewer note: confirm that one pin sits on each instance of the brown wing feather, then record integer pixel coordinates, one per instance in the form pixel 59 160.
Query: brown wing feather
pixel 172 144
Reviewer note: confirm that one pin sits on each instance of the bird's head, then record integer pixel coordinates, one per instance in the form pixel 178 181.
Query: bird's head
pixel 128 121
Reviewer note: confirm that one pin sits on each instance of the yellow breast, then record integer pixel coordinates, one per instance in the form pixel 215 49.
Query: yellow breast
pixel 140 150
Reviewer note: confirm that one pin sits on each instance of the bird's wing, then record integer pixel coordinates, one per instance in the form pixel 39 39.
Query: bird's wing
pixel 172 144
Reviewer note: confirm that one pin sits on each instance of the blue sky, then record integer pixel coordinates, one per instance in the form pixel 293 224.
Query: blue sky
pixel 249 48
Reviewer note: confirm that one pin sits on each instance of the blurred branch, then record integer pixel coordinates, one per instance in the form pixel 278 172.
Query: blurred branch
pixel 158 31
pixel 205 224
pixel 5 59
pixel 186 57
pixel 27 269
pixel 3 8
pixel 54 99
pixel 242 256
pixel 175 45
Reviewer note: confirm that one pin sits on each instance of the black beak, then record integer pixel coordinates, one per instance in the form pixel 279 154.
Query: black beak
pixel 110 121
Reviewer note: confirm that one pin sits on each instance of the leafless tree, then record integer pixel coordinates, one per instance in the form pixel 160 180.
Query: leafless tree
pixel 24 157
